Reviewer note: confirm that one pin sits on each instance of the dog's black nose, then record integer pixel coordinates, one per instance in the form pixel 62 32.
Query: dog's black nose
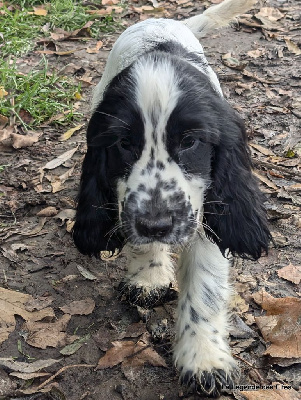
pixel 154 228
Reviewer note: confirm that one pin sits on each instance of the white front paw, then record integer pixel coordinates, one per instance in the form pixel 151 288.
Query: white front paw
pixel 205 363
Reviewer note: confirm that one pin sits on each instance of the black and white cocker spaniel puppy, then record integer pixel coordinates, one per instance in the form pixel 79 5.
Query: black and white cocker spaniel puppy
pixel 168 166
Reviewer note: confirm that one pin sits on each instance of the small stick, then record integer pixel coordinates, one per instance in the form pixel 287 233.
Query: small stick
pixel 250 365
pixel 61 371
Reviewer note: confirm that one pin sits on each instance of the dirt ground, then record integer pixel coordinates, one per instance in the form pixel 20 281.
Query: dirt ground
pixel 38 257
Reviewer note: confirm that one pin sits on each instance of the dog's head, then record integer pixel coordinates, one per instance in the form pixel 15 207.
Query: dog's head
pixel 164 151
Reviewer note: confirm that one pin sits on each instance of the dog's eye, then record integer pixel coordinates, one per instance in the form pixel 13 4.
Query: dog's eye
pixel 125 144
pixel 187 142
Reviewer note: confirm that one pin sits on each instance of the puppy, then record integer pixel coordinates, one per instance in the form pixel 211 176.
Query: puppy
pixel 168 166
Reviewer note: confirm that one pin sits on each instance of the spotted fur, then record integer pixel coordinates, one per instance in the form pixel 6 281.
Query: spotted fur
pixel 168 167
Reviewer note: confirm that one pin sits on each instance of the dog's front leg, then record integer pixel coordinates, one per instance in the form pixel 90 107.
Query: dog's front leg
pixel 150 274
pixel 202 353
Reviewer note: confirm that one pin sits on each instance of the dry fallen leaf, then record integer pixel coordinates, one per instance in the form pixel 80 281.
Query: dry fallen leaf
pixel 17 141
pixel 94 50
pixel 57 183
pixel 261 149
pixel 14 303
pixel 67 214
pixel 106 11
pixel 39 11
pixel 67 135
pixel 25 367
pixel 291 273
pixel 56 162
pixel 131 354
pixel 60 34
pixel 238 303
pixel 265 180
pixel 26 376
pixel 3 120
pixel 109 2
pixel 233 62
pixel 80 307
pixel 269 16
pixel 280 326
pixel 293 47
pixel 256 53
pixel 85 273
pixel 36 229
pixel 47 212
pixel 48 334
pixel 3 92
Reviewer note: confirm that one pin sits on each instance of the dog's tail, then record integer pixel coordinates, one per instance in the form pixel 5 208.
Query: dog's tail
pixel 217 16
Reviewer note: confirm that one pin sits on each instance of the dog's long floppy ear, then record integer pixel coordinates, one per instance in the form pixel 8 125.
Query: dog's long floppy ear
pixel 233 206
pixel 97 212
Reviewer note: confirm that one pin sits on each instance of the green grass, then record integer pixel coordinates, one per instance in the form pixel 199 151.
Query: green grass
pixel 41 93
pixel 19 29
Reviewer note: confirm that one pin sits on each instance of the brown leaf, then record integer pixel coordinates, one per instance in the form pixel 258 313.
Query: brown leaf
pixel 14 303
pixel 41 11
pixel 67 135
pixel 238 303
pixel 59 34
pixel 131 354
pixel 293 47
pixel 21 141
pixel 271 13
pixel 261 149
pixel 36 229
pixel 26 376
pixel 44 334
pixel 3 121
pixel 26 116
pixel 265 180
pixel 116 354
pixel 93 50
pixel 47 212
pixel 9 138
pixel 291 273
pixel 80 307
pixel 57 183
pixel 106 11
pixel 233 62
pixel 269 17
pixel 109 2
pixel 280 326
pixel 256 53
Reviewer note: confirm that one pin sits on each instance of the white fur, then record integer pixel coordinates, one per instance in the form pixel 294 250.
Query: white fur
pixel 142 38
pixel 204 345
pixel 142 274
pixel 217 16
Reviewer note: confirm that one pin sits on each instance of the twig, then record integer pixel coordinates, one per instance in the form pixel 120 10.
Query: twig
pixel 250 365
pixel 60 371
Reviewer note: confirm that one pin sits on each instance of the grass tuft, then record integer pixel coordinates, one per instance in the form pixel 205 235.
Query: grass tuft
pixel 40 93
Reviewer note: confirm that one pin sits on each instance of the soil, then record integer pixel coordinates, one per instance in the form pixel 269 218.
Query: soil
pixel 45 261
